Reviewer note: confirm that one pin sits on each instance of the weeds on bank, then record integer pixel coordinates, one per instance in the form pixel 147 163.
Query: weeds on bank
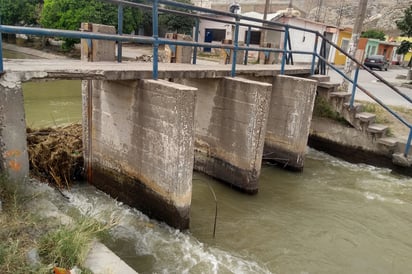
pixel 323 109
pixel 17 232
pixel 68 246
pixel 380 112
pixel 22 231
pixel 384 117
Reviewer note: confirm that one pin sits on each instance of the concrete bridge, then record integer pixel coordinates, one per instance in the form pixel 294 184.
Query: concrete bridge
pixel 144 137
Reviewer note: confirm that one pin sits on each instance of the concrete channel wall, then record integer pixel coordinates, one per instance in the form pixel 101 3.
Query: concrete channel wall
pixel 14 159
pixel 139 144
pixel 289 120
pixel 230 126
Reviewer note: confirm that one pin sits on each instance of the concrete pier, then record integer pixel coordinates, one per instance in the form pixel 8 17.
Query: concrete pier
pixel 230 125
pixel 139 144
pixel 289 120
pixel 14 161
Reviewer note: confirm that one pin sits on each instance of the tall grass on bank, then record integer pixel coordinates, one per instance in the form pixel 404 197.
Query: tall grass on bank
pixel 18 231
pixel 68 245
pixel 22 231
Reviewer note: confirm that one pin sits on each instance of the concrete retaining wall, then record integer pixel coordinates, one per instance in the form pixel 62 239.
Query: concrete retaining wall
pixel 289 120
pixel 98 50
pixel 230 124
pixel 141 144
pixel 14 159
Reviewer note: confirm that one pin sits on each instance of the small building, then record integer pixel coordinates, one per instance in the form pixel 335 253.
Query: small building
pixel 303 40
pixel 406 57
pixel 369 46
pixel 216 32
pixel 343 40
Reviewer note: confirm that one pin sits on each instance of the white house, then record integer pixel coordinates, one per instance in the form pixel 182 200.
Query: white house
pixel 216 32
pixel 302 40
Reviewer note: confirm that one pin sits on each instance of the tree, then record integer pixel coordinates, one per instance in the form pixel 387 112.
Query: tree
pixel 177 23
pixel 20 12
pixel 375 34
pixel 405 24
pixel 69 14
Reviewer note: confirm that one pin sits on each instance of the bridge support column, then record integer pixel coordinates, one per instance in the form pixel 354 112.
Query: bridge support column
pixel 289 120
pixel 14 160
pixel 139 144
pixel 230 122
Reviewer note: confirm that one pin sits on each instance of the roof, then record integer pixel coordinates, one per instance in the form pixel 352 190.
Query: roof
pixel 258 15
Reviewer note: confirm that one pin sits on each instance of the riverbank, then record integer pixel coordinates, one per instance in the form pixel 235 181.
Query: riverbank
pixel 37 237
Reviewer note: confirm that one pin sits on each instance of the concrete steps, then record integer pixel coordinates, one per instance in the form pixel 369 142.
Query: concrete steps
pixel 363 121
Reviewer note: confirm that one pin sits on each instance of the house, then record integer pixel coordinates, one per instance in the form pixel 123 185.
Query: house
pixel 407 57
pixel 216 32
pixel 302 40
pixel 369 46
pixel 343 39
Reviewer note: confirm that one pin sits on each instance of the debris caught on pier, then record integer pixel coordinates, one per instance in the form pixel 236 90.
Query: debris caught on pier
pixel 56 154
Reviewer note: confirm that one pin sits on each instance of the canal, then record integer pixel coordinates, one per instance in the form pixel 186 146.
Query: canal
pixel 334 217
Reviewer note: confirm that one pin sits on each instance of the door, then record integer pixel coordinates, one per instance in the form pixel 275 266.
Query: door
pixel 208 39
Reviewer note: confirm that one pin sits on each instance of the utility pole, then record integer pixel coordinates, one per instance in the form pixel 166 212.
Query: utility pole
pixel 353 45
pixel 319 10
pixel 263 32
pixel 265 16
pixel 338 21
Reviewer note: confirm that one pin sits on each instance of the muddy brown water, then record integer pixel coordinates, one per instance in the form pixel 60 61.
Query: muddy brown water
pixel 334 217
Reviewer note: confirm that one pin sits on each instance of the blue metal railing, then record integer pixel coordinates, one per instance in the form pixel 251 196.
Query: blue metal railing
pixel 204 14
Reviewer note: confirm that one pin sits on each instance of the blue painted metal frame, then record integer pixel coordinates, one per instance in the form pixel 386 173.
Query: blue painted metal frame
pixel 155 20
pixel 354 86
pixel 248 36
pixel 1 50
pixel 119 31
pixel 236 47
pixel 1 54
pixel 196 36
pixel 285 50
pixel 315 51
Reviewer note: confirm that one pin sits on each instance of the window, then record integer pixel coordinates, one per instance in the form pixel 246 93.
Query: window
pixel 217 35
pixel 254 37
pixel 345 44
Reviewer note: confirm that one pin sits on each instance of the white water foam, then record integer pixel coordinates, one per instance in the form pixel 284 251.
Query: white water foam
pixel 173 251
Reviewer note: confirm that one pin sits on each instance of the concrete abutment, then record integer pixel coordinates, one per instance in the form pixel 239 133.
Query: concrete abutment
pixel 289 120
pixel 230 125
pixel 140 144
pixel 14 160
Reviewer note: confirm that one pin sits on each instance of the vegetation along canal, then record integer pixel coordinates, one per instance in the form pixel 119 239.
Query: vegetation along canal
pixel 334 217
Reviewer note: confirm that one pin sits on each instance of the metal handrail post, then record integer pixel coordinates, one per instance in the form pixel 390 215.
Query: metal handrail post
pixel 1 50
pixel 354 87
pixel 1 54
pixel 408 143
pixel 155 26
pixel 285 43
pixel 119 31
pixel 196 36
pixel 315 53
pixel 249 30
pixel 235 49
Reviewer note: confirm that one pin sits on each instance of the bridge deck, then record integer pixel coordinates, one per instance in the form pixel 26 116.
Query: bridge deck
pixel 31 69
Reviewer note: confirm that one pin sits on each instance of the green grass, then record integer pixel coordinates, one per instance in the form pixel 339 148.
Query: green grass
pixel 18 230
pixel 68 246
pixel 323 109
pixel 58 245
pixel 380 112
